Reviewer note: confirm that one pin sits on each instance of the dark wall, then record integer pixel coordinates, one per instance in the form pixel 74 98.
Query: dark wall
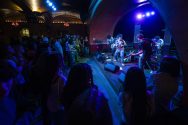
pixel 42 29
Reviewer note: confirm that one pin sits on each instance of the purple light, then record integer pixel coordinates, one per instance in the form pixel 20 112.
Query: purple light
pixel 140 1
pixel 148 14
pixel 139 16
pixel 153 13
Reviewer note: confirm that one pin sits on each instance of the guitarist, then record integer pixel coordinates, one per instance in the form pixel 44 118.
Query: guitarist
pixel 145 51
pixel 120 43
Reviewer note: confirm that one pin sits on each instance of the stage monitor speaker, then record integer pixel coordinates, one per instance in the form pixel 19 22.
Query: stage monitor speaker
pixel 111 67
pixel 121 77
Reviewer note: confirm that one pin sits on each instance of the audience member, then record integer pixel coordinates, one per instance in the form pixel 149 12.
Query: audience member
pixel 137 102
pixel 166 83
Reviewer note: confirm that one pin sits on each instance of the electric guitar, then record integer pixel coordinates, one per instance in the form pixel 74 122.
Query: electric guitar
pixel 130 54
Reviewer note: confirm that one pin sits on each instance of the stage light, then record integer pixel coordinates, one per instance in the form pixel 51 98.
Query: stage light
pixel 153 13
pixel 50 4
pixel 141 1
pixel 143 15
pixel 34 5
pixel 139 16
pixel 148 14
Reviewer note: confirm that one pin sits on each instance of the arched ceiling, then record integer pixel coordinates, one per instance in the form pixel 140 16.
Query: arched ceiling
pixel 31 9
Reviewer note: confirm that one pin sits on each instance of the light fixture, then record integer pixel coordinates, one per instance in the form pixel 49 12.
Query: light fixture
pixel 148 14
pixel 34 5
pixel 140 16
pixel 141 1
pixel 50 4
pixel 153 13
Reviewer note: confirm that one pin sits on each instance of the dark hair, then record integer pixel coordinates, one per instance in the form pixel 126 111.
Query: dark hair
pixel 54 62
pixel 170 65
pixel 135 86
pixel 79 79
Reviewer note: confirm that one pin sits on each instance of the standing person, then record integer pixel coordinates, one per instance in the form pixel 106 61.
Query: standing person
pixel 86 46
pixel 67 52
pixel 111 42
pixel 120 43
pixel 145 51
pixel 58 47
pixel 8 74
pixel 159 43
pixel 165 83
pixel 137 102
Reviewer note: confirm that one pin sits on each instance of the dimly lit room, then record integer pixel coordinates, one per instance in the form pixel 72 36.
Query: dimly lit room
pixel 93 62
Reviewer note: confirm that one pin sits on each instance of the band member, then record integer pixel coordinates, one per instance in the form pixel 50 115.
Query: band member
pixel 119 43
pixel 158 44
pixel 145 51
pixel 111 42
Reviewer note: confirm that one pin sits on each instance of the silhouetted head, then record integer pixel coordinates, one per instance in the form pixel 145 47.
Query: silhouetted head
pixel 135 97
pixel 170 65
pixel 135 80
pixel 79 79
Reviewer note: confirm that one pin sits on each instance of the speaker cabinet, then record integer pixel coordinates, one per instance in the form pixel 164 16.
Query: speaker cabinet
pixel 111 67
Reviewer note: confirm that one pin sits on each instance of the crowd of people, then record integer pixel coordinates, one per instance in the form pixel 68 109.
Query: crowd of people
pixel 34 88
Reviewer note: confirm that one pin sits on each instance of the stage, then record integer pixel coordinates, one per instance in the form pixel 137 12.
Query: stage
pixel 116 78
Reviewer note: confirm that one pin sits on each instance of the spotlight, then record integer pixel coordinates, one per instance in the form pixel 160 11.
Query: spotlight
pixel 54 9
pixel 50 4
pixel 139 16
pixel 140 1
pixel 148 14
pixel 153 13
pixel 48 1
